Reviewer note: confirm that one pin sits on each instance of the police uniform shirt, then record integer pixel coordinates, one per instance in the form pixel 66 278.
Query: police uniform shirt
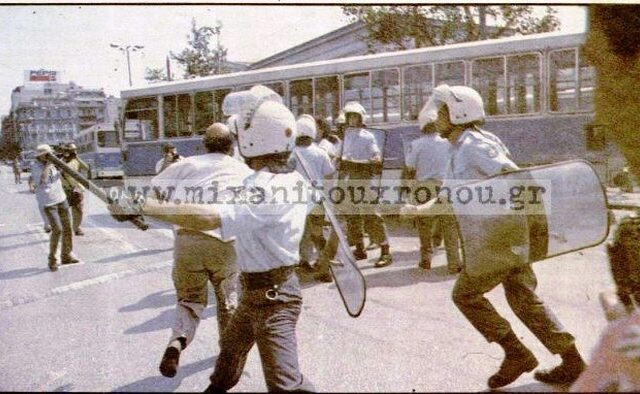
pixel 328 147
pixel 429 156
pixel 268 228
pixel 359 144
pixel 316 160
pixel 216 173
pixel 496 140
pixel 49 192
pixel 475 156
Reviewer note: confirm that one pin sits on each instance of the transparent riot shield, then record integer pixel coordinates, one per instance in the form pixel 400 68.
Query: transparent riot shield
pixel 350 283
pixel 529 215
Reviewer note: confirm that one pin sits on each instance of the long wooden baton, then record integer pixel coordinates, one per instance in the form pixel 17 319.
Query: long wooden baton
pixel 92 187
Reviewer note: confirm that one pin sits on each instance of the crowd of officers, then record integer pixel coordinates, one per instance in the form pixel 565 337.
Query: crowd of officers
pixel 250 252
pixel 270 243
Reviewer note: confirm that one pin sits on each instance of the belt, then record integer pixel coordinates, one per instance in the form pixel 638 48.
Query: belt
pixel 261 280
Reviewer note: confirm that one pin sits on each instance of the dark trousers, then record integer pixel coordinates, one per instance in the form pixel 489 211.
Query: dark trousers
pixel 374 224
pixel 427 225
pixel 519 288
pixel 75 199
pixel 271 323
pixel 58 216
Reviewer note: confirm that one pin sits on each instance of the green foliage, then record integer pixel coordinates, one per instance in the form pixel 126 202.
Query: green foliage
pixel 155 75
pixel 199 59
pixel 406 26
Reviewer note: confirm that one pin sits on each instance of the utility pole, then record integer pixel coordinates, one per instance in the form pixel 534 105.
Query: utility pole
pixel 125 49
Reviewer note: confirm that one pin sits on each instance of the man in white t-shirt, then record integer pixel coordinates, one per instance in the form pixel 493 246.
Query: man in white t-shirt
pixel 201 256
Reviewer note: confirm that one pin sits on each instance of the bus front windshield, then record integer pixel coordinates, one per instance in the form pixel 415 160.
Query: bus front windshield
pixel 108 139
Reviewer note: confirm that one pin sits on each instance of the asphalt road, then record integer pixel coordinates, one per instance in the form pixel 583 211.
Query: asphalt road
pixel 103 325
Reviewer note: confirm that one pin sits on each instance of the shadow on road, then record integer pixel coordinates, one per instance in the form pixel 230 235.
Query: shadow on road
pixel 158 299
pixel 22 273
pixel 161 384
pixel 407 277
pixel 124 256
pixel 18 234
pixel 165 320
pixel 22 245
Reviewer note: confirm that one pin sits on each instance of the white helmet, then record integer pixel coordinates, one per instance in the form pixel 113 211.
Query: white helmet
pixel 306 126
pixel 429 113
pixel 272 129
pixel 464 103
pixel 356 108
pixel 43 149
pixel 244 102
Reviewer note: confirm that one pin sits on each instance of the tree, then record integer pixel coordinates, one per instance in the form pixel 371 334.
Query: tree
pixel 406 26
pixel 198 59
pixel 155 75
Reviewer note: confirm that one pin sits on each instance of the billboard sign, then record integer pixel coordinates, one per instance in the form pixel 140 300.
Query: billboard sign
pixel 41 75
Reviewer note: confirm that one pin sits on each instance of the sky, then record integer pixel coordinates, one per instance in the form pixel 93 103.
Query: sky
pixel 75 39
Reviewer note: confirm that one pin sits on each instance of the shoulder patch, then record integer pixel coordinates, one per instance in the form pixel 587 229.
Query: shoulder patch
pixel 489 150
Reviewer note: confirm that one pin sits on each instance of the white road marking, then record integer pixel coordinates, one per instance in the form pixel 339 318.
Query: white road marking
pixel 82 284
pixel 124 245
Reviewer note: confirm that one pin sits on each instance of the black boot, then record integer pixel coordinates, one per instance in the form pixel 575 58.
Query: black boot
pixel 171 358
pixel 565 373
pixel 360 253
pixel 517 360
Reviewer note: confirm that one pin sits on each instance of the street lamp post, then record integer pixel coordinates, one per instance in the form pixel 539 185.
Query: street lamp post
pixel 125 49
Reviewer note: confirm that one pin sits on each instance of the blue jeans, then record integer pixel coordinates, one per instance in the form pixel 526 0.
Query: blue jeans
pixel 60 222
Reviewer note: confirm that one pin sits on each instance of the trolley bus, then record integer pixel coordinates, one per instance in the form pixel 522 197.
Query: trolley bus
pixel 537 89
pixel 99 146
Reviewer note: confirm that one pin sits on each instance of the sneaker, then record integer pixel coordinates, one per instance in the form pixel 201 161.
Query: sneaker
pixel 511 368
pixel 384 261
pixel 71 259
pixel 360 254
pixel 170 361
pixel 79 232
pixel 53 265
pixel 563 374
pixel 425 264
pixel 324 276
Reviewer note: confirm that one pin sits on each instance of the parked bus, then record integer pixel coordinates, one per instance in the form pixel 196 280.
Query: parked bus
pixel 99 146
pixel 537 89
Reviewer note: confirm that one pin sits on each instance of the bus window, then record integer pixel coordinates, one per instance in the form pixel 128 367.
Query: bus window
pixel 562 81
pixel 205 114
pixel 327 100
pixel 301 97
pixel 169 109
pixel 143 112
pixel 488 80
pixel 385 96
pixel 208 109
pixel 107 139
pixel 450 73
pixel 184 118
pixel 523 84
pixel 277 87
pixel 356 88
pixel 418 85
pixel 587 80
